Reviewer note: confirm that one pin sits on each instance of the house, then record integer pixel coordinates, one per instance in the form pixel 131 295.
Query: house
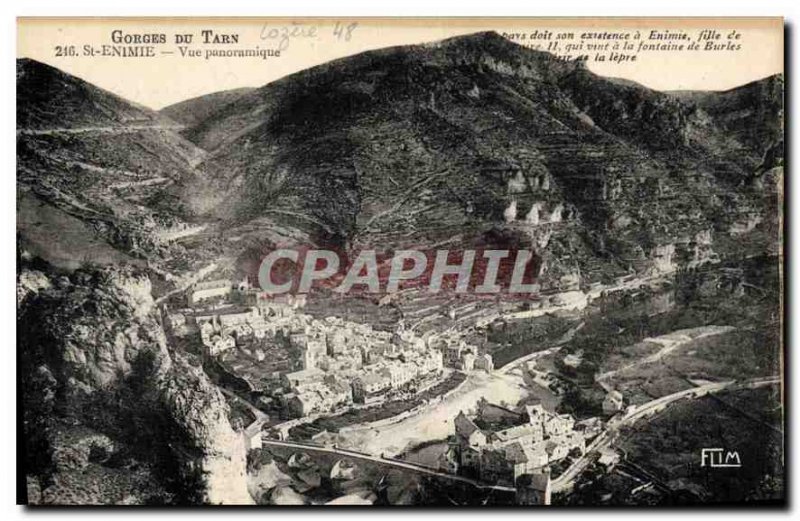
pixel 204 318
pixel 484 362
pixel 323 396
pixel 305 377
pixel 252 440
pixel 261 329
pixel 313 353
pixel 234 316
pixel 337 343
pixel 298 338
pixel 590 427
pixel 526 458
pixel 176 320
pixel 449 461
pixel 402 373
pixel 370 387
pixel 300 405
pixel 467 363
pixel 468 433
pixel 206 330
pixel 244 285
pixel 241 332
pixel 219 343
pixel 452 354
pixel 496 417
pixel 341 393
pixel 574 359
pixel 495 465
pixel 608 457
pixel 502 445
pixel 287 300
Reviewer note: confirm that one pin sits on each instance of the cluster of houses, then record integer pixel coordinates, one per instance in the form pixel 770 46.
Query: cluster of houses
pixel 501 445
pixel 335 363
pixel 314 390
pixel 368 363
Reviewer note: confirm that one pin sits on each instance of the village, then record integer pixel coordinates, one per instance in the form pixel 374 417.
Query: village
pixel 340 383
pixel 295 368
pixel 298 365
pixel 502 445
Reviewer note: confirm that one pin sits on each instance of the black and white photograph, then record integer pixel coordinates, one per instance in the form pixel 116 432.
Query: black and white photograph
pixel 400 262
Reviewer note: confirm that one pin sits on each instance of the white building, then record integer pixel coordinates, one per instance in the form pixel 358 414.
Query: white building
pixel 210 289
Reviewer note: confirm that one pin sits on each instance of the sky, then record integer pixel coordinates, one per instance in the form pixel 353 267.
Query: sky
pixel 76 46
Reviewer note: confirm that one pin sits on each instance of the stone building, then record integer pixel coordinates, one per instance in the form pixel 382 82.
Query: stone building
pixel 501 445
pixel 211 289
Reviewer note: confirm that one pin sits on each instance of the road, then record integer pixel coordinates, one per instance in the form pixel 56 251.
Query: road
pixel 669 343
pixel 565 338
pixel 261 416
pixel 126 129
pixel 527 358
pixel 566 479
pixel 420 469
pixel 435 422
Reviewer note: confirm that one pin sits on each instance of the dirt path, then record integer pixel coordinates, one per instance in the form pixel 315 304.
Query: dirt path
pixel 103 130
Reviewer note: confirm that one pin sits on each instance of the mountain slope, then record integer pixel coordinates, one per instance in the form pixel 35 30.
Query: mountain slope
pixel 49 98
pixel 479 137
pixel 752 113
pixel 192 111
pixel 108 166
pixel 112 416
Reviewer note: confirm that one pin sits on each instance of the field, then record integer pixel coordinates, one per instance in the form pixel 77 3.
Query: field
pixel 615 341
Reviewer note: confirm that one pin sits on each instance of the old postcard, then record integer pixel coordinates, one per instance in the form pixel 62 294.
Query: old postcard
pixel 452 262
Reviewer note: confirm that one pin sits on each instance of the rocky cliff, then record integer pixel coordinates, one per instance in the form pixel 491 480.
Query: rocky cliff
pixel 110 415
pixel 200 410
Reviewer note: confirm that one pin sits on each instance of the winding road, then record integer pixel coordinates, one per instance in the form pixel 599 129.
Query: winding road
pixel 125 129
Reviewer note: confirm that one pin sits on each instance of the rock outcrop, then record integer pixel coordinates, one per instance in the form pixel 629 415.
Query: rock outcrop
pixel 110 415
pixel 218 453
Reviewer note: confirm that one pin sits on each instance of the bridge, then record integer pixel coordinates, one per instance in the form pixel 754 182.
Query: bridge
pixel 404 465
pixel 562 483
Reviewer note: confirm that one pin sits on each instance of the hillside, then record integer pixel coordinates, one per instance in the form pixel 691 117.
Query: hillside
pixel 752 113
pixel 481 141
pixel 192 111
pixel 49 98
pixel 113 172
